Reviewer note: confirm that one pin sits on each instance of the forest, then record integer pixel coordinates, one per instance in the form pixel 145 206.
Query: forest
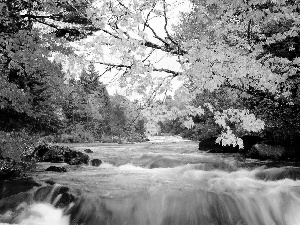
pixel 237 63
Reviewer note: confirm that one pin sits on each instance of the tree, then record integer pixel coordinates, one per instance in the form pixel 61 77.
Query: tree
pixel 30 84
pixel 250 46
pixel 247 46
pixel 87 103
pixel 264 32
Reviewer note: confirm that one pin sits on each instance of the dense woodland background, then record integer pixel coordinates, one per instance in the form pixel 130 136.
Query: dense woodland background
pixel 240 74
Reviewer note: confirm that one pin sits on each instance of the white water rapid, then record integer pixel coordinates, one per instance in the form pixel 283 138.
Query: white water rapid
pixel 160 183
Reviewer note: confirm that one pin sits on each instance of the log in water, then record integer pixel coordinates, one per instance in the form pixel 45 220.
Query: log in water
pixel 160 184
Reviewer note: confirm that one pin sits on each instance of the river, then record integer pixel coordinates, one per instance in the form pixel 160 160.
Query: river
pixel 166 182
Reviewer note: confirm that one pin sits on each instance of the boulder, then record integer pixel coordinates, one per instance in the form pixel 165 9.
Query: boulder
pixel 209 144
pixel 96 162
pixel 264 151
pixel 56 169
pixel 88 150
pixel 76 158
pixel 56 154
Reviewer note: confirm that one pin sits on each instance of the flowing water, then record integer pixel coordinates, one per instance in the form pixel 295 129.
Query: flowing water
pixel 160 183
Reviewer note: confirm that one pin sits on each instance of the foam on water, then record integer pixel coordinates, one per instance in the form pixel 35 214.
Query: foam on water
pixel 39 214
pixel 43 214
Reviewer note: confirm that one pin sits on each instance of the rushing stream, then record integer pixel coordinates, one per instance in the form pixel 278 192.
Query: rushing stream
pixel 162 184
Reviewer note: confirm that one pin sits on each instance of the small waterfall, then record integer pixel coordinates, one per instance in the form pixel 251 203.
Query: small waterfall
pixel 39 206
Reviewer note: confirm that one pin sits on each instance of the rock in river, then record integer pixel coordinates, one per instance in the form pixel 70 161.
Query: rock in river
pixel 88 150
pixel 56 169
pixel 209 144
pixel 264 151
pixel 55 154
pixel 96 162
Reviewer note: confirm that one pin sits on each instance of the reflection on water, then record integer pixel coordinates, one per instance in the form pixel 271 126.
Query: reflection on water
pixel 162 184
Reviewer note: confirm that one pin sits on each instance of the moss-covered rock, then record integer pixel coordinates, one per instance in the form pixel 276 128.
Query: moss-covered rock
pixel 55 154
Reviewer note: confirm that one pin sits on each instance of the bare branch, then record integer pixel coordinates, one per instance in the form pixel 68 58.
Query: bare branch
pixel 121 4
pixel 166 24
pixel 174 73
pixel 107 70
pixel 148 55
pixel 156 35
pixel 54 17
pixel 111 34
pixel 45 23
pixel 148 15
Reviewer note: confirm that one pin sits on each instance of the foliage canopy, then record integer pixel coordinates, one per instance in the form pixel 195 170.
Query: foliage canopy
pixel 247 48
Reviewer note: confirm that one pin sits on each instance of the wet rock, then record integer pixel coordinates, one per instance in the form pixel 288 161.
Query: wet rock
pixel 209 144
pixel 62 197
pixel 77 158
pixel 56 169
pixel 96 162
pixel 88 150
pixel 55 154
pixel 279 173
pixel 83 212
pixel 42 193
pixel 16 186
pixel 50 181
pixel 263 151
pixel 12 206
pixel 57 195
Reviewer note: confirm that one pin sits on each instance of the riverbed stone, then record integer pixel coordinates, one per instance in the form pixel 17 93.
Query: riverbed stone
pixel 264 151
pixel 96 162
pixel 56 169
pixel 58 195
pixel 88 150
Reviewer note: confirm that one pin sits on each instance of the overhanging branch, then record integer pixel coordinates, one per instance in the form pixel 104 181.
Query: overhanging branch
pixel 172 72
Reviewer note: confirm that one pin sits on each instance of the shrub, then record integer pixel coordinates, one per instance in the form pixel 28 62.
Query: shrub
pixel 49 139
pixel 136 137
pixel 85 136
pixel 109 139
pixel 15 151
pixel 76 137
pixel 16 145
